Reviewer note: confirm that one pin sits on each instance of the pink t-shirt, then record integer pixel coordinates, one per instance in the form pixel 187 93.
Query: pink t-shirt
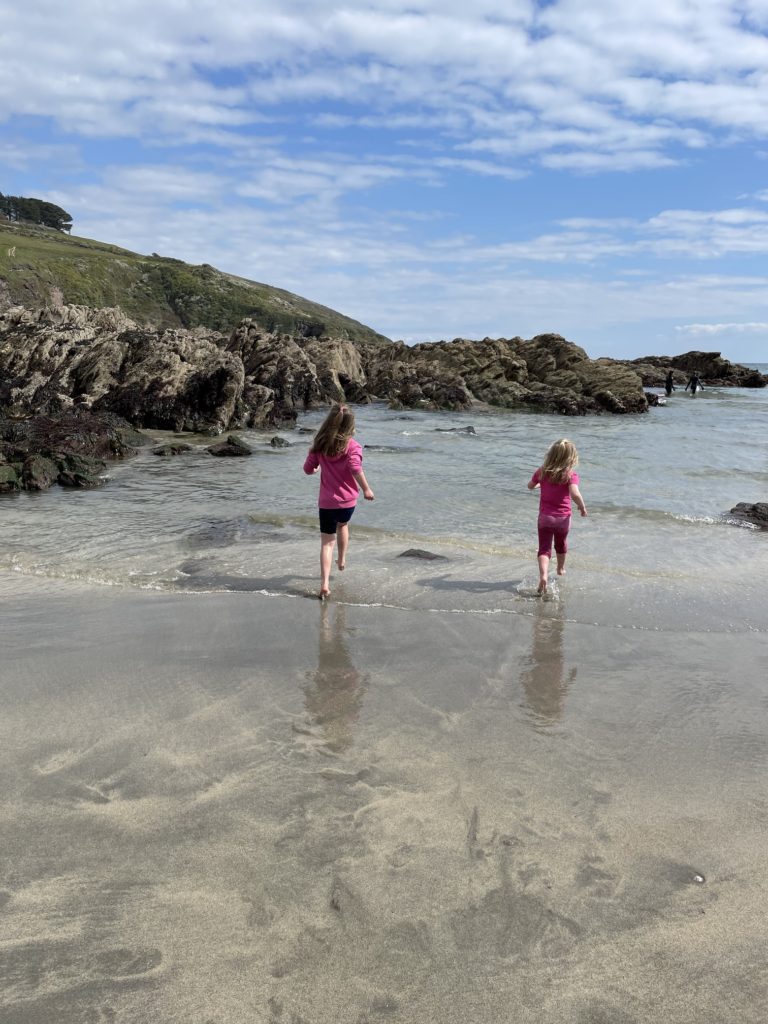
pixel 338 487
pixel 555 498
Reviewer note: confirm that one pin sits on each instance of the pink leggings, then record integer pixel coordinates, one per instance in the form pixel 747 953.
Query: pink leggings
pixel 553 528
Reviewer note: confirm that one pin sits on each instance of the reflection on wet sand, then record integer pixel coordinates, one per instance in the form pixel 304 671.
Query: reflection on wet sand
pixel 334 698
pixel 544 681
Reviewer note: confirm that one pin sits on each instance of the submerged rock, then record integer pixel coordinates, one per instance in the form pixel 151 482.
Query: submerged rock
pixel 427 556
pixel 455 430
pixel 280 442
pixel 167 450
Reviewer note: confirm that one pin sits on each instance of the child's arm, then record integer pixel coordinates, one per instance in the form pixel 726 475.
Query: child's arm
pixel 363 485
pixel 576 495
pixel 311 463
pixel 535 480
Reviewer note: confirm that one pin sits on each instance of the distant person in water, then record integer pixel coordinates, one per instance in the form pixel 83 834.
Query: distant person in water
pixel 340 460
pixel 669 384
pixel 694 384
pixel 558 484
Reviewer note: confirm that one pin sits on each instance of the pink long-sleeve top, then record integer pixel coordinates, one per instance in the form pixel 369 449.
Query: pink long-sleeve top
pixel 338 487
pixel 555 498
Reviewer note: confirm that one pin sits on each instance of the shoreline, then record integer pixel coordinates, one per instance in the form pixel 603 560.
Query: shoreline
pixel 244 809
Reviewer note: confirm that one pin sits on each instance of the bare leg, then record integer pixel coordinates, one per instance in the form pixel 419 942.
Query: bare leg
pixel 327 541
pixel 561 562
pixel 543 572
pixel 342 534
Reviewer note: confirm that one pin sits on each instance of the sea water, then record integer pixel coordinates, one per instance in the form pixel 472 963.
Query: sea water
pixel 657 550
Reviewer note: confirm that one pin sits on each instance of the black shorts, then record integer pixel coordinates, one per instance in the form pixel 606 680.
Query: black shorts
pixel 331 517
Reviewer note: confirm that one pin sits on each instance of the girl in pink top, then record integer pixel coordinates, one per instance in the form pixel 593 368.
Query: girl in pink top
pixel 558 483
pixel 340 461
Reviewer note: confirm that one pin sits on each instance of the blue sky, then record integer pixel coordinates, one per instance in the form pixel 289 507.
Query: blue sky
pixel 436 169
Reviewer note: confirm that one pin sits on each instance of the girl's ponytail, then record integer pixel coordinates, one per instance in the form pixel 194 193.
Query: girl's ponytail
pixel 335 431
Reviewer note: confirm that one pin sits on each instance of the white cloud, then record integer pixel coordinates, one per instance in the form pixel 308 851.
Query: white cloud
pixel 713 329
pixel 595 81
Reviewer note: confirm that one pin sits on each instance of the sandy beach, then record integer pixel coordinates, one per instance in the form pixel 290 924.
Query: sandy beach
pixel 229 808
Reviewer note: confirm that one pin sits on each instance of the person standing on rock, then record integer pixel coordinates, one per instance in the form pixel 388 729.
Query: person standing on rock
pixel 340 460
pixel 558 484
pixel 669 384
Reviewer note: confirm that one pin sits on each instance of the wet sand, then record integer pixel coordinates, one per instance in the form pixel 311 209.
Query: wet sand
pixel 228 809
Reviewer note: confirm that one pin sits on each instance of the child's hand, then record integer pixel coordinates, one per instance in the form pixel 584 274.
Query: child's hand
pixel 368 495
pixel 584 513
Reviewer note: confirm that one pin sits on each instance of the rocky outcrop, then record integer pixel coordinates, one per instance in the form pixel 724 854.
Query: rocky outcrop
pixel 173 379
pixel 546 373
pixel 710 366
pixel 71 449
pixel 198 380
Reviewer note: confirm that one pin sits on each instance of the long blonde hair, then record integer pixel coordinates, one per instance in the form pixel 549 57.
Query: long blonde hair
pixel 560 461
pixel 335 432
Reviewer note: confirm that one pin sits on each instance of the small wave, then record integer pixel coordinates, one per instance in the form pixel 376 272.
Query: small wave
pixel 657 515
pixel 391 449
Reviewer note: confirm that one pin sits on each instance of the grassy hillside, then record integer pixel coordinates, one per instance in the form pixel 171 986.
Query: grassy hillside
pixel 152 289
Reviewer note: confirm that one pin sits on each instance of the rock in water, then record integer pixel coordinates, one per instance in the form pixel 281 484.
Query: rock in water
pixel 81 471
pixel 233 446
pixel 70 448
pixel 756 514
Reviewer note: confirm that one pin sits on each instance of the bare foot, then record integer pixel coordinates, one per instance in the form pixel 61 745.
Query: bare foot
pixel 342 565
pixel 324 593
pixel 561 572
pixel 542 586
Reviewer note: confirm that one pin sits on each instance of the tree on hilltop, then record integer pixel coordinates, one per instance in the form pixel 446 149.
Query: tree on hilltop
pixel 35 211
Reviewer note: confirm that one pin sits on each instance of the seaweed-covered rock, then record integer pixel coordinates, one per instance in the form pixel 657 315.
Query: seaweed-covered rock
pixel 39 473
pixel 81 471
pixel 9 479
pixel 71 449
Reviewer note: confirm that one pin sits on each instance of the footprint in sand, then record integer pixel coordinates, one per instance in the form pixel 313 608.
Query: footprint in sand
pixel 61 759
pixel 118 964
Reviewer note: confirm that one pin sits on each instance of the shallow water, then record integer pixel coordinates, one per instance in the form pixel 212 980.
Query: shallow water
pixel 656 552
